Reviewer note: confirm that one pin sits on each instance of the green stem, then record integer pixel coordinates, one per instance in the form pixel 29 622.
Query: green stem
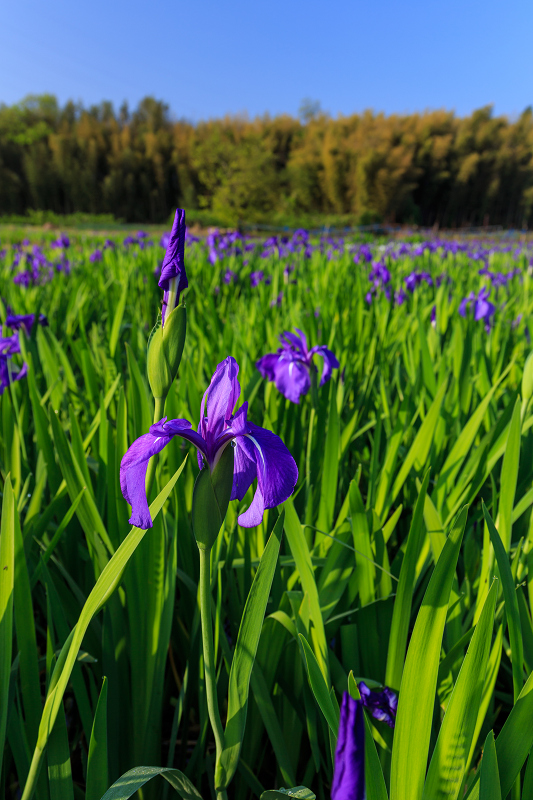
pixel 150 472
pixel 209 656
pixel 33 774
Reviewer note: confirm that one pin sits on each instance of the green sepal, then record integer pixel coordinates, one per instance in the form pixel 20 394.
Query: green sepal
pixel 210 499
pixel 165 350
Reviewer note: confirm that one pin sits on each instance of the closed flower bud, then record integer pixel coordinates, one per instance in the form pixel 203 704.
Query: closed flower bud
pixel 165 351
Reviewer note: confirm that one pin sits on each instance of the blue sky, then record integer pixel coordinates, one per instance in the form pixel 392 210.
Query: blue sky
pixel 207 59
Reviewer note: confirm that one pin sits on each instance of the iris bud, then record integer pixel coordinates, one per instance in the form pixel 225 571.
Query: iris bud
pixel 165 351
pixel 210 500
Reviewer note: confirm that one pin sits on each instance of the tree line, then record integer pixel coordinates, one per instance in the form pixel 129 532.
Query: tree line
pixel 433 168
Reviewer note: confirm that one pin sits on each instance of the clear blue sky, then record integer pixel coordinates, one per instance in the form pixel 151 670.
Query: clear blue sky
pixel 209 58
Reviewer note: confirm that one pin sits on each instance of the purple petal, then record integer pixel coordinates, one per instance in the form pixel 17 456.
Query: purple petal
pixel 330 362
pixel 267 366
pixel 292 379
pixel 173 262
pixel 349 775
pixel 133 476
pixel 135 463
pixel 220 397
pixel 277 472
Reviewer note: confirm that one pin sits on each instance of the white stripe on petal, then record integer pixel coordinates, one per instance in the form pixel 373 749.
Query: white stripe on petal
pixel 249 436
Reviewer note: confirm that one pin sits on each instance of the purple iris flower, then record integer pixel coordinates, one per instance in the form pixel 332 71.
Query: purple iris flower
pixel 96 256
pixel 129 240
pixel 290 367
pixel 483 308
pixel 9 345
pixel 259 453
pixel 277 300
pixel 109 244
pixel 173 279
pixel 229 276
pixel 26 321
pixel 256 277
pixel 349 776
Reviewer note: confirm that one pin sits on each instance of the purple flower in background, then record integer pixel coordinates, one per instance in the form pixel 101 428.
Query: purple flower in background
pixel 483 308
pixel 9 346
pixel 256 277
pixel 434 316
pixel 165 239
pixel 173 279
pixel 229 276
pixel 400 297
pixel 25 321
pixel 290 367
pixel 62 241
pixel 96 256
pixel 382 705
pixel 277 300
pixel 349 775
pixel 259 453
pixel 129 240
pixel 109 244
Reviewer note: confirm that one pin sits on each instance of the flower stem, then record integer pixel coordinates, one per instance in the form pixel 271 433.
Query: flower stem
pixel 150 472
pixel 209 656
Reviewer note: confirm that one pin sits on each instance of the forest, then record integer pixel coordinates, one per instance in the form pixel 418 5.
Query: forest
pixel 431 169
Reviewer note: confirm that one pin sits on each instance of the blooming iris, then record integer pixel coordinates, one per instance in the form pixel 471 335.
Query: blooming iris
pixel 483 308
pixel 290 367
pixel 259 453
pixel 173 278
pixel 349 776
pixel 25 321
pixel 9 345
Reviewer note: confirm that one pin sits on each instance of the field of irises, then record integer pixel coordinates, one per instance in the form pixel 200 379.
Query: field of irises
pixel 266 517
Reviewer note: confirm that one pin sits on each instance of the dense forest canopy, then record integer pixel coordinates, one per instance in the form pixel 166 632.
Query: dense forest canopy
pixel 430 168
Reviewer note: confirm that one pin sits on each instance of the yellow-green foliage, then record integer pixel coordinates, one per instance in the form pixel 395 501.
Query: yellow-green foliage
pixel 425 168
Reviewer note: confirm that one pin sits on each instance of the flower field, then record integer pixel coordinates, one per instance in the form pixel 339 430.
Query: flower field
pixel 278 535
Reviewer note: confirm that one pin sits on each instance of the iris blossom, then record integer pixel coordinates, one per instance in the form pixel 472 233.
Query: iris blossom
pixel 259 453
pixel 173 279
pixel 290 367
pixel 25 321
pixel 483 308
pixel 349 776
pixel 9 346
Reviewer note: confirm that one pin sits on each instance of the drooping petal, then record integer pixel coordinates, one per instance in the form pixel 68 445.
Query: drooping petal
pixel 349 775
pixel 267 366
pixel 133 476
pixel 244 473
pixel 9 373
pixel 292 379
pixel 135 463
pixel 277 473
pixel 219 399
pixel 330 362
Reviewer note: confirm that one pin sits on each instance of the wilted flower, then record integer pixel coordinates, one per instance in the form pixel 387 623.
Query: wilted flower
pixel 291 366
pixel 259 453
